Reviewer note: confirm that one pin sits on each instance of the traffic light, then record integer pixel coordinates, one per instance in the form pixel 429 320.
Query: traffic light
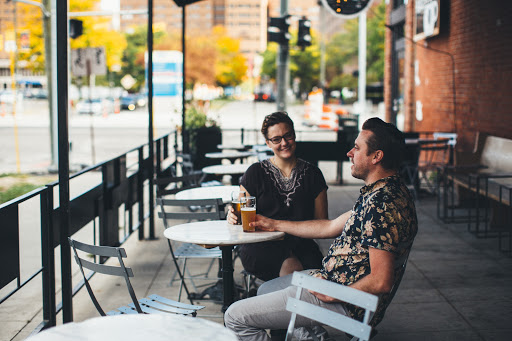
pixel 75 28
pixel 304 36
pixel 347 8
pixel 278 30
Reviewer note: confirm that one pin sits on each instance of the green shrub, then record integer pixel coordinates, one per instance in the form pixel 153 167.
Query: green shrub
pixel 15 191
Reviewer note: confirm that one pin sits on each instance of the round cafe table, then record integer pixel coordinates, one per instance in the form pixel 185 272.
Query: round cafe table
pixel 232 156
pixel 220 233
pixel 209 192
pixel 235 170
pixel 136 327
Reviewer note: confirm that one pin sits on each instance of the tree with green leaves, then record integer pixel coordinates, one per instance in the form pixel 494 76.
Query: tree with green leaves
pixel 343 49
pixel 304 64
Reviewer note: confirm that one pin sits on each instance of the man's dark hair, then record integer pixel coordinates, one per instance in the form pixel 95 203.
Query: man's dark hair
pixel 275 118
pixel 385 137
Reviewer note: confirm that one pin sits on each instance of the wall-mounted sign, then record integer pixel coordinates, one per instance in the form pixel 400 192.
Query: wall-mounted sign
pixel 426 19
pixel 167 73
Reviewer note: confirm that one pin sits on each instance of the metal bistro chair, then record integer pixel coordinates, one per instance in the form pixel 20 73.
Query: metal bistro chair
pixel 153 304
pixel 208 209
pixel 435 154
pixel 360 330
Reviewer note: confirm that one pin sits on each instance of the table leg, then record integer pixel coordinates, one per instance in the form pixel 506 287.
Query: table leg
pixel 227 275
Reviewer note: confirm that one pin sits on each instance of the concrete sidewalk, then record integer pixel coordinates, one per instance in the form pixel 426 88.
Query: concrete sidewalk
pixel 456 287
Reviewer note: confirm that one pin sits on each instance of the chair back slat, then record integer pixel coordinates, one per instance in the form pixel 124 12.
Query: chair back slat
pixel 330 318
pixel 191 215
pixel 344 293
pixel 361 330
pixel 188 202
pixel 104 251
pixel 104 269
pixel 205 209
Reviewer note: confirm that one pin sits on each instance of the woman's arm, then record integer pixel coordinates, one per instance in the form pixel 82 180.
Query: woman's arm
pixel 321 206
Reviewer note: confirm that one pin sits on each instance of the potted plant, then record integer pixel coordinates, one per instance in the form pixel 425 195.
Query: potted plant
pixel 204 135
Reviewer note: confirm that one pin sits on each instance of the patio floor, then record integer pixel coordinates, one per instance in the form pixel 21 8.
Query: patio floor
pixel 456 286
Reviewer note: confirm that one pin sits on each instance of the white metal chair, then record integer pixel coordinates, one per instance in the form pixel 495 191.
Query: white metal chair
pixel 153 304
pixel 360 330
pixel 207 209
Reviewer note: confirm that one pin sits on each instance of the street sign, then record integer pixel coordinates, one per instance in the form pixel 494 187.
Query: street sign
pixel 347 8
pixel 88 61
pixel 128 81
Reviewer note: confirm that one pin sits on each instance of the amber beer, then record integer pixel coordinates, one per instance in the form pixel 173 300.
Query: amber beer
pixel 237 202
pixel 237 205
pixel 248 216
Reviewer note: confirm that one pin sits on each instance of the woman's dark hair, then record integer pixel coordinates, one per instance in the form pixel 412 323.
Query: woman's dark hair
pixel 275 118
pixel 385 137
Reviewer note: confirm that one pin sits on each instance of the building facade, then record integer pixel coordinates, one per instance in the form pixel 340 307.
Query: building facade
pixel 449 67
pixel 245 20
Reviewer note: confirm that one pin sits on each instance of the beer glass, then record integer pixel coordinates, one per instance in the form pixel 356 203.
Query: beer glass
pixel 237 201
pixel 248 214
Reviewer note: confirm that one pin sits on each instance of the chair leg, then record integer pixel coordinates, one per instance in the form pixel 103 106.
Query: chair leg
pixel 210 267
pixel 181 274
pixel 182 278
pixel 190 277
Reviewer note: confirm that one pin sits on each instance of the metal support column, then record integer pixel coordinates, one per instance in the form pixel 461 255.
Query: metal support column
pixel 282 66
pixel 184 131
pixel 150 129
pixel 62 115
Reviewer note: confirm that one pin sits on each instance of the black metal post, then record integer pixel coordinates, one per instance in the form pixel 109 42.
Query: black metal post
pixel 150 132
pixel 63 142
pixel 140 192
pixel 227 276
pixel 48 257
pixel 184 132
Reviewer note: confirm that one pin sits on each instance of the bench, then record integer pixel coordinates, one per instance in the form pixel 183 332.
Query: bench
pixel 481 179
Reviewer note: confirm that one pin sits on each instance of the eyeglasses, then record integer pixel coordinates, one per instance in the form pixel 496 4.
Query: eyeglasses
pixel 288 137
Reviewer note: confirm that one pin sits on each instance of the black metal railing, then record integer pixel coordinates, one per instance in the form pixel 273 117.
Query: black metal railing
pixel 124 182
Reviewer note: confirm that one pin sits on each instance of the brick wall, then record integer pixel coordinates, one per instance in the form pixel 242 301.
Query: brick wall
pixel 478 34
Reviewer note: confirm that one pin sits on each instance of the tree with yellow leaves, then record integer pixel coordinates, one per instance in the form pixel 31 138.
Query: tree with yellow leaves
pixel 96 33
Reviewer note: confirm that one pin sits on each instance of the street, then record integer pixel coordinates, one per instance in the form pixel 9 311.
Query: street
pixel 117 133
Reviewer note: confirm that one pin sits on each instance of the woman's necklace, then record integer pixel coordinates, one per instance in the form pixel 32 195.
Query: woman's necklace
pixel 285 174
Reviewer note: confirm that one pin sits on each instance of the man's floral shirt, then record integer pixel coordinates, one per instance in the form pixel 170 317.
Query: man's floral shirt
pixel 383 217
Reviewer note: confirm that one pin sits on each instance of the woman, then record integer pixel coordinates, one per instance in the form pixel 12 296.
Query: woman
pixel 288 188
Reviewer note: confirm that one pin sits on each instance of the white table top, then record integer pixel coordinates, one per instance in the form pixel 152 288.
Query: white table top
pixel 239 147
pixel 138 327
pixel 217 232
pixel 226 169
pixel 210 192
pixel 229 155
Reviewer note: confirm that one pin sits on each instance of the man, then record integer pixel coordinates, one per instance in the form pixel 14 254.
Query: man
pixel 379 229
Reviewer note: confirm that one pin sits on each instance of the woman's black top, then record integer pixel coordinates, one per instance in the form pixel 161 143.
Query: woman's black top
pixel 282 198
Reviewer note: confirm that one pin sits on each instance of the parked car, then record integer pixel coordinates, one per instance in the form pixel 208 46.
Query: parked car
pixel 264 97
pixel 7 96
pixel 128 102
pixel 142 99
pixel 94 106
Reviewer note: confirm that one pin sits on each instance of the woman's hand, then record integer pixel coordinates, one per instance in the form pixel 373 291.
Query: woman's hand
pixel 264 223
pixel 231 218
